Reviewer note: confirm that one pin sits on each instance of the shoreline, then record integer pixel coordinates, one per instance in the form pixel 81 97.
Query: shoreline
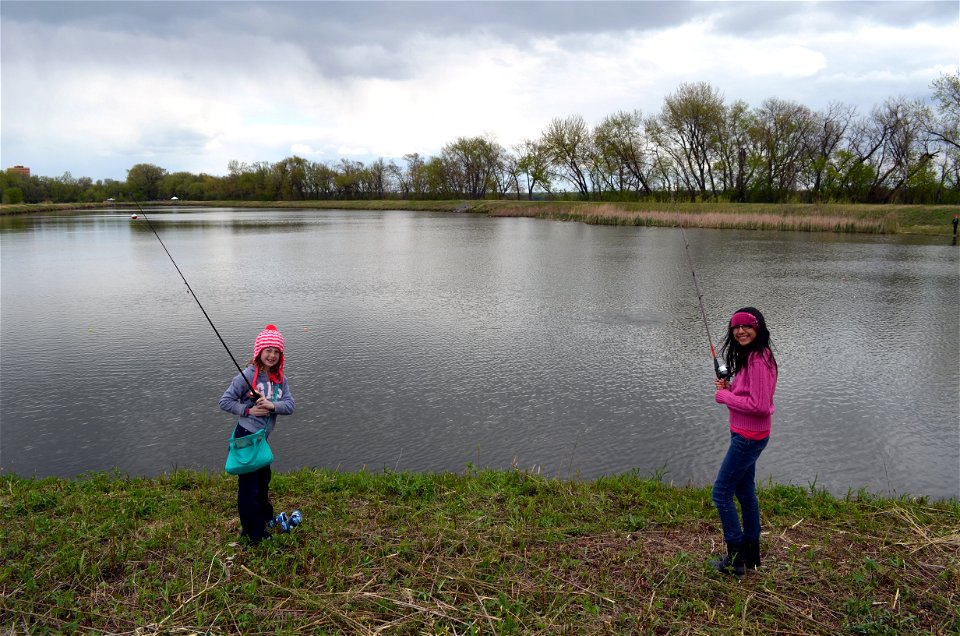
pixel 930 220
pixel 483 551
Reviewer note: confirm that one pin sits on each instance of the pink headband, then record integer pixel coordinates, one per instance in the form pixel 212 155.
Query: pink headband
pixel 743 318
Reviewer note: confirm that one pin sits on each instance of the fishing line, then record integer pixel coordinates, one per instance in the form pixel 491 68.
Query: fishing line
pixel 235 363
pixel 720 369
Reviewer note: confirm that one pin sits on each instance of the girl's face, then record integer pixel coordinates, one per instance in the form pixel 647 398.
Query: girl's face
pixel 745 334
pixel 270 357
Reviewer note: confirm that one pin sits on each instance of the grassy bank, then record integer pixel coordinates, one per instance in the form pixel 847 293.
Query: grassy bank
pixel 873 219
pixel 483 552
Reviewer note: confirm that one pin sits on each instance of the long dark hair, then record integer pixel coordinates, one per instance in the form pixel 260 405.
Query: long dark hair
pixel 735 355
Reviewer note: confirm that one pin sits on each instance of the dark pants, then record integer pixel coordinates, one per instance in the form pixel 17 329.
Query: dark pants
pixel 253 499
pixel 736 479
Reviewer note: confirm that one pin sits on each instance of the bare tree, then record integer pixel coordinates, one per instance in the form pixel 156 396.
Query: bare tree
pixel 946 97
pixel 686 131
pixel 377 178
pixel 619 145
pixel 568 145
pixel 829 134
pixel 782 130
pixel 892 141
pixel 733 147
pixel 471 164
pixel 506 177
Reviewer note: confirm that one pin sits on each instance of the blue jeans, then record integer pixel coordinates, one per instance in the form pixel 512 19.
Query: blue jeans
pixel 736 478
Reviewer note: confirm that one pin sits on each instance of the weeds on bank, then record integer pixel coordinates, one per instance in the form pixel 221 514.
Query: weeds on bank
pixel 483 552
pixel 798 218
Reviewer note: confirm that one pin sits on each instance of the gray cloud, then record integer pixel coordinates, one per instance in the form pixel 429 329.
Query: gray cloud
pixel 765 18
pixel 91 86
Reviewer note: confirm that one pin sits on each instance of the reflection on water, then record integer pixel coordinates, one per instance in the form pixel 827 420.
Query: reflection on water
pixel 420 341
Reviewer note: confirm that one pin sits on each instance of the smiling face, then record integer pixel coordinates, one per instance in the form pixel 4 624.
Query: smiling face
pixel 270 357
pixel 745 334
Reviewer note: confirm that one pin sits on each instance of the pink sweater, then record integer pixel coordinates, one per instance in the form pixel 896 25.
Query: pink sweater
pixel 750 398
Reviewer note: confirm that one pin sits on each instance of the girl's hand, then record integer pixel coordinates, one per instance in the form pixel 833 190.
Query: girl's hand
pixel 721 384
pixel 264 403
pixel 259 411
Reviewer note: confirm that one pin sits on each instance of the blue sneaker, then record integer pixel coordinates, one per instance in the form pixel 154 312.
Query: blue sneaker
pixel 295 518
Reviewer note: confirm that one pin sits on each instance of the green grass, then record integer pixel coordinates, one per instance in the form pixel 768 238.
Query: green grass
pixel 482 552
pixel 832 217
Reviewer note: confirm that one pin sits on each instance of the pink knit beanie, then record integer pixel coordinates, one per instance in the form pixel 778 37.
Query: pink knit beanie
pixel 270 337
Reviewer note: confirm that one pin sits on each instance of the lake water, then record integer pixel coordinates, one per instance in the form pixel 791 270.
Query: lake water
pixel 427 342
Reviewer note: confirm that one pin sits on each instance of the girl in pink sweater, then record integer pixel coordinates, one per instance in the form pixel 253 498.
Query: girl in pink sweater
pixel 749 398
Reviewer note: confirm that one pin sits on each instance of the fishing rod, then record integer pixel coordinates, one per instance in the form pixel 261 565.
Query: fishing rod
pixel 722 371
pixel 235 363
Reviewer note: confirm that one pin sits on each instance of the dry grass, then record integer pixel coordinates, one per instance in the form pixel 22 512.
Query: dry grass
pixel 809 219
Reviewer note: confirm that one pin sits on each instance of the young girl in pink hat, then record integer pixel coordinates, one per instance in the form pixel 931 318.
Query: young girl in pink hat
pixel 265 374
pixel 749 398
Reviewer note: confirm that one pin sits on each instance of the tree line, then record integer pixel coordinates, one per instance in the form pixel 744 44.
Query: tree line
pixel 697 147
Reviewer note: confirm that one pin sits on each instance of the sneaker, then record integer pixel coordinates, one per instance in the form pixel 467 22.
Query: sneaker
pixel 281 522
pixel 295 518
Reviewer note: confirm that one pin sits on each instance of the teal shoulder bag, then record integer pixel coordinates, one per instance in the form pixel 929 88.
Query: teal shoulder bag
pixel 250 452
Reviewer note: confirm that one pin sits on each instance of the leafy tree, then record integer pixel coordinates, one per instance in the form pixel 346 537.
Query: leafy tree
pixel 349 180
pixel 12 196
pixel 436 179
pixel 533 164
pixel 321 180
pixel 144 179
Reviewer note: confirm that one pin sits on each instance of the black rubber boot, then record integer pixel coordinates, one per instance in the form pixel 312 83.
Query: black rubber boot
pixel 751 554
pixel 733 562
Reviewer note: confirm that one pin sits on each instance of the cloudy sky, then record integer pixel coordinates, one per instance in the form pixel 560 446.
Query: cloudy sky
pixel 95 87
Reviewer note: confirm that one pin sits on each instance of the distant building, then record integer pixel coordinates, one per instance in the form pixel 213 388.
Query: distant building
pixel 20 170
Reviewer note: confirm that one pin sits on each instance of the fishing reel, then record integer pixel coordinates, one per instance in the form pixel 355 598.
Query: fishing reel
pixel 723 372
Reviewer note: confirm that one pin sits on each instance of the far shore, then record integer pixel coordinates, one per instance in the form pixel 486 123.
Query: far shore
pixel 931 220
